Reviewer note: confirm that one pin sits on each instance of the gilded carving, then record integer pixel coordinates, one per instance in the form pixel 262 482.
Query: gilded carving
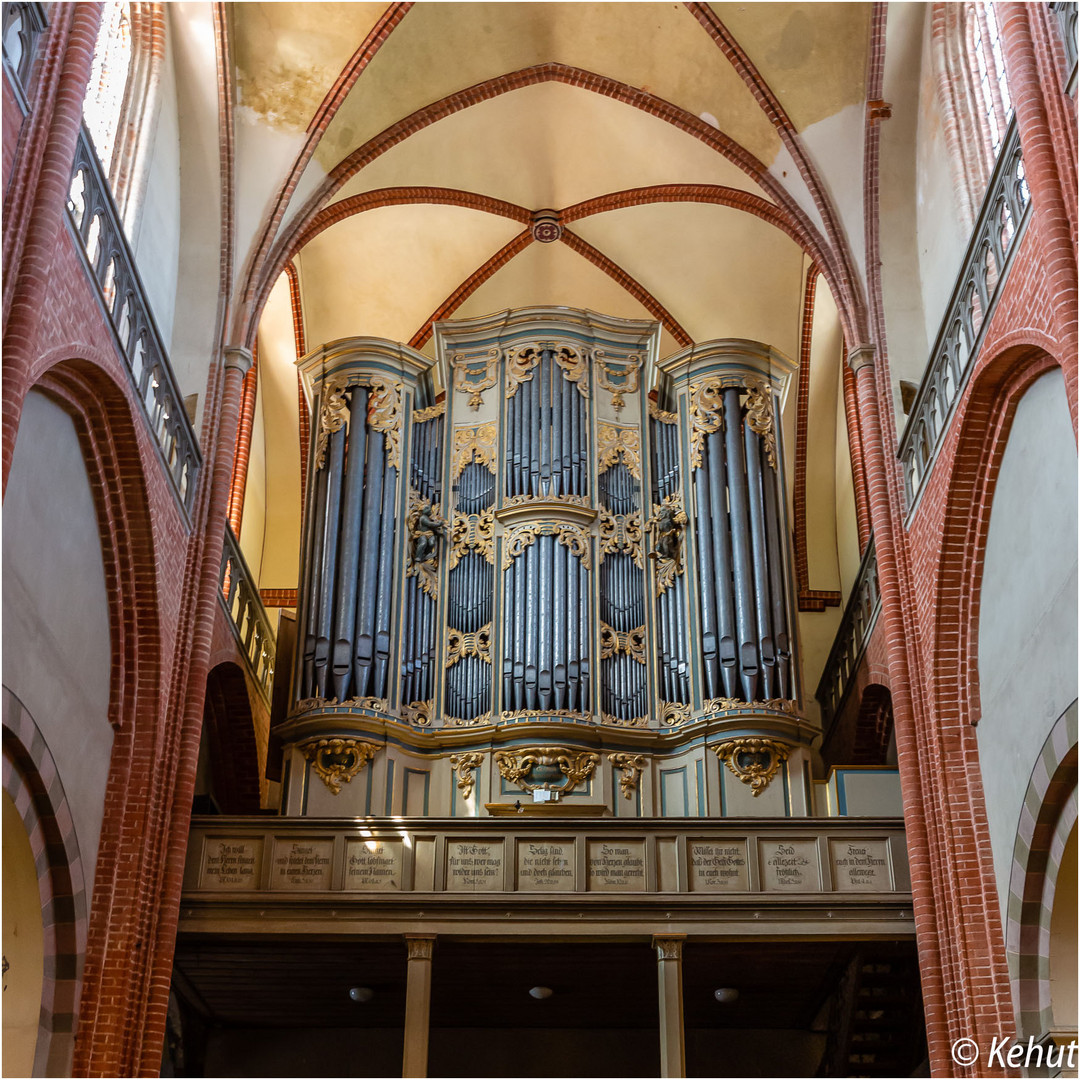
pixel 476 721
pixel 673 713
pixel 475 643
pixel 613 442
pixel 519 765
pixel 617 721
pixel 657 413
pixel 475 374
pixel 519 367
pixel 423 415
pixel 418 713
pixel 573 367
pixel 425 525
pixel 754 761
pixel 384 415
pixel 666 526
pixel 472 443
pixel 473 531
pixel 631 766
pixel 463 765
pixel 378 704
pixel 617 377
pixel 706 416
pixel 528 714
pixel 333 416
pixel 572 537
pixel 308 704
pixel 621 532
pixel 729 704
pixel 337 761
pixel 631 642
pixel 759 415
pixel 570 500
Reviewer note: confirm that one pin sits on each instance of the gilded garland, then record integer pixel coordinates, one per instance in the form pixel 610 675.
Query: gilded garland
pixel 617 377
pixel 475 374
pixel 460 643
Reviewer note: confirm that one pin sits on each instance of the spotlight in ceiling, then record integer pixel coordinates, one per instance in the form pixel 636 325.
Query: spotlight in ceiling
pixel 541 993
pixel 361 994
pixel 726 995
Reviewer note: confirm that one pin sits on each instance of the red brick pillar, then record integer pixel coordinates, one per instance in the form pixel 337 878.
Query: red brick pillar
pixel 43 212
pixel 1036 88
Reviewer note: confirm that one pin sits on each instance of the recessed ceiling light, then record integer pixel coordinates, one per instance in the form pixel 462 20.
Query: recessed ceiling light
pixel 541 993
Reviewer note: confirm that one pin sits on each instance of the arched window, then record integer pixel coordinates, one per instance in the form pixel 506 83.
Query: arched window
pixel 974 95
pixel 122 96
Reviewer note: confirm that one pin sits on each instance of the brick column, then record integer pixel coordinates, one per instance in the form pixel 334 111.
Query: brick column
pixel 44 214
pixel 669 971
pixel 417 1004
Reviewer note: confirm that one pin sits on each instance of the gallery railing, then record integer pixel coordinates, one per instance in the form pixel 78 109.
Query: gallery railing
pixel 96 223
pixel 247 616
pixel 1066 15
pixel 994 241
pixel 23 25
pixel 860 615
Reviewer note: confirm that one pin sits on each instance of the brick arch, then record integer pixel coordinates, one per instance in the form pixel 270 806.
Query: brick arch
pixel 32 780
pixel 873 726
pixel 268 263
pixel 1044 828
pixel 229 729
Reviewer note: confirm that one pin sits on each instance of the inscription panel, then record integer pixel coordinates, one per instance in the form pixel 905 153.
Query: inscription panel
pixel 860 865
pixel 474 865
pixel 302 865
pixel 789 865
pixel 616 865
pixel 231 863
pixel 546 866
pixel 373 865
pixel 718 866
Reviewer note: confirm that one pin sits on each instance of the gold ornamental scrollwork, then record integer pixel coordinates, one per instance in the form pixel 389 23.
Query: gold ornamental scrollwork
pixel 419 713
pixel 473 531
pixel 617 377
pixel 460 643
pixel 621 532
pixel 384 415
pixel 423 415
pixel 759 415
pixel 308 704
pixel 570 536
pixel 476 721
pixel 377 703
pixel 614 442
pixel 475 374
pixel 519 367
pixel 518 767
pixel 573 367
pixel 529 714
pixel 631 642
pixel 754 761
pixel 424 525
pixel 337 761
pixel 472 443
pixel 333 416
pixel 657 413
pixel 706 416
pixel 631 766
pixel 673 713
pixel 569 500
pixel 463 765
pixel 618 721
pixel 722 704
pixel 666 526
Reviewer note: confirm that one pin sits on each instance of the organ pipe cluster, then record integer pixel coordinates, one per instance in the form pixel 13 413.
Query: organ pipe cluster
pixel 579 530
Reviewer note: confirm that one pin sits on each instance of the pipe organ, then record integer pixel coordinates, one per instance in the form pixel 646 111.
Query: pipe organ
pixel 546 524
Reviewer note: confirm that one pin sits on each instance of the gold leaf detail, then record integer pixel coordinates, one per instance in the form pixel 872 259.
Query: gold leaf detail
pixel 627 369
pixel 333 416
pixel 707 416
pixel 473 531
pixel 666 526
pixel 673 713
pixel 573 367
pixel 419 713
pixel 421 416
pixel 475 374
pixel 631 766
pixel 463 765
pixel 337 761
pixel 460 643
pixel 518 765
pixel 630 642
pixel 472 443
pixel 611 442
pixel 754 761
pixel 657 413
pixel 759 415
pixel 519 367
pixel 621 532
pixel 384 415
pixel 572 537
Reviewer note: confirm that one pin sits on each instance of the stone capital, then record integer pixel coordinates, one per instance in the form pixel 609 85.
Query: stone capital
pixel 238 358
pixel 668 946
pixel 420 946
pixel 861 356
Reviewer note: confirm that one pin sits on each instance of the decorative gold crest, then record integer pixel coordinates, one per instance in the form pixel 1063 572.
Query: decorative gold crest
pixel 631 766
pixel 473 531
pixel 539 767
pixel 759 415
pixel 673 713
pixel 631 642
pixel 572 537
pixel 475 643
pixel 471 443
pixel 333 416
pixel 621 532
pixel 706 416
pixel 337 761
pixel 463 765
pixel 613 442
pixel 519 367
pixel 754 761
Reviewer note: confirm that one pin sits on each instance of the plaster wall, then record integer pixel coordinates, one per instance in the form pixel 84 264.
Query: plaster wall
pixel 1028 601
pixel 157 235
pixel 847 522
pixel 253 524
pixel 57 652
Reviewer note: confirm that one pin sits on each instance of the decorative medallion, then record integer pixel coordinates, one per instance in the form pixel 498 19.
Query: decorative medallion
pixel 614 442
pixel 475 643
pixel 463 765
pixel 666 526
pixel 754 761
pixel 550 768
pixel 673 713
pixel 631 642
pixel 473 531
pixel 621 532
pixel 425 525
pixel 657 413
pixel 617 377
pixel 337 761
pixel 475 374
pixel 333 416
pixel 706 416
pixel 472 443
pixel 631 766
pixel 546 226
pixel 572 537
pixel 418 713
pixel 759 415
